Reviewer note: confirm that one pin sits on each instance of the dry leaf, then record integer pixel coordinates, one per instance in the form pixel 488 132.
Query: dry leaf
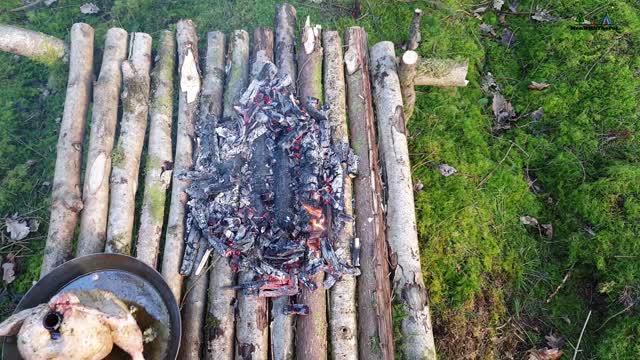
pixel 529 220
pixel 89 8
pixel 479 11
pixel 489 85
pixel 189 77
pixel 544 354
pixel 418 186
pixel 538 86
pixel 487 29
pixel 17 227
pixel 447 170
pixel 554 342
pixel 508 38
pixel 514 6
pixel 502 109
pixel 537 115
pixel 49 2
pixel 533 183
pixel 497 4
pixel 8 272
pixel 547 230
pixel 543 15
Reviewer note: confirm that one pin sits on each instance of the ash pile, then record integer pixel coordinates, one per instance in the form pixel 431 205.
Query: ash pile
pixel 267 191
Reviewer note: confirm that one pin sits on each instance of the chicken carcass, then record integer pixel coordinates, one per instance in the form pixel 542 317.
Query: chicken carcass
pixel 75 325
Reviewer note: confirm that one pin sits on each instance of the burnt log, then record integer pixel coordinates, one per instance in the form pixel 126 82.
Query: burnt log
pixel 106 97
pixel 66 200
pixel 188 70
pixel 342 296
pixel 128 151
pixel 311 342
pixel 402 235
pixel 375 328
pixel 159 166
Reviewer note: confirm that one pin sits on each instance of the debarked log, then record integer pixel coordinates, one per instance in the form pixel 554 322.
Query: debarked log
pixel 402 235
pixel 442 73
pixel 35 45
pixel 66 196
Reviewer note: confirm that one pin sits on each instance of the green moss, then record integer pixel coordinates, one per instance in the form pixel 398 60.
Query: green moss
pixel 211 322
pixel 157 196
pixel 117 156
pixel 51 57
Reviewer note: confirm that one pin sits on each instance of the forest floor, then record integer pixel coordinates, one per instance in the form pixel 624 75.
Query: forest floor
pixel 538 228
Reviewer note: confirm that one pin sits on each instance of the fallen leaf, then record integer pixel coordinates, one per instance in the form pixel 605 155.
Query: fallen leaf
pixel 497 4
pixel 89 8
pixel 502 19
pixel 547 230
pixel 487 29
pixel 544 354
pixel 8 272
pixel 538 86
pixel 189 77
pixel 508 38
pixel 502 109
pixel 533 183
pixel 447 170
pixel 418 186
pixel 17 227
pixel 489 85
pixel 554 342
pixel 49 2
pixel 479 11
pixel 513 7
pixel 543 15
pixel 529 220
pixel 537 115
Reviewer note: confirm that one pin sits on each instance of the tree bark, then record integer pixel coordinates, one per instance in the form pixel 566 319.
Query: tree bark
pixel 285 40
pixel 343 330
pixel 442 73
pixel 407 74
pixel 35 45
pixel 402 235
pixel 375 328
pixel 187 41
pixel 66 197
pixel 311 342
pixel 282 335
pixel 414 31
pixel 222 299
pixel 210 110
pixel 106 96
pixel 159 166
pixel 126 156
pixel 252 335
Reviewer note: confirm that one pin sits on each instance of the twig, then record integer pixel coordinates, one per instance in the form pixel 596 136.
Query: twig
pixel 27 6
pixel 186 293
pixel 484 180
pixel 564 280
pixel 614 315
pixel 575 353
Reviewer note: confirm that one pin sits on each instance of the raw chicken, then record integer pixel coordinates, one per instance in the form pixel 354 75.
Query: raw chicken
pixel 75 325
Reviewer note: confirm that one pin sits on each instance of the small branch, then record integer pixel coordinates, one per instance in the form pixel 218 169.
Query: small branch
pixel 407 74
pixel 564 280
pixel 575 353
pixel 414 31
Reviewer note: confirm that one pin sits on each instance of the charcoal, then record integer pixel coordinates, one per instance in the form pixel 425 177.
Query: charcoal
pixel 267 191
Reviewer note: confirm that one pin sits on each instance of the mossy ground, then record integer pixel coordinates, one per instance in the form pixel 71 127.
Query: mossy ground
pixel 489 276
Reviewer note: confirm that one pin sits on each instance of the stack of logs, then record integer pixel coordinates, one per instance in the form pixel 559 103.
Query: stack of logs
pixel 353 320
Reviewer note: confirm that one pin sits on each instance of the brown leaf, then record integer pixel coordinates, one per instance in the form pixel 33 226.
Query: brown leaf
pixel 8 272
pixel 538 86
pixel 502 109
pixel 544 354
pixel 447 170
pixel 508 38
pixel 529 220
pixel 543 15
pixel 537 115
pixel 487 29
pixel 547 230
pixel 554 342
pixel 17 227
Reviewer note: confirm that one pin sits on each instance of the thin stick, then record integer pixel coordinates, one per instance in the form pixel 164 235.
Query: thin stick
pixel 575 353
pixel 564 280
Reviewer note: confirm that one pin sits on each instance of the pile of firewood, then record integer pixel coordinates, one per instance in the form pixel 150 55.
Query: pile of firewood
pixel 377 230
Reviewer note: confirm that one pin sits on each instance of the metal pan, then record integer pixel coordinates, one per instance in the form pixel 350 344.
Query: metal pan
pixel 129 279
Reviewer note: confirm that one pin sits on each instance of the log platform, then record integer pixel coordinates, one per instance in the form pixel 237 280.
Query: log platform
pixel 353 319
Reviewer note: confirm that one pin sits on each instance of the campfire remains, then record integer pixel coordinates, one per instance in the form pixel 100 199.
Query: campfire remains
pixel 269 203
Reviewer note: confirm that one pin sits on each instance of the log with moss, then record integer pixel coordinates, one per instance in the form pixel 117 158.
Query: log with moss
pixel 408 284
pixel 442 73
pixel 189 89
pixel 222 298
pixel 159 165
pixel 282 325
pixel 375 328
pixel 127 154
pixel 106 97
pixel 66 200
pixel 311 330
pixel 343 330
pixel 35 45
pixel 407 75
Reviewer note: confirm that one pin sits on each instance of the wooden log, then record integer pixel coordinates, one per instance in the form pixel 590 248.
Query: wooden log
pixel 252 338
pixel 282 325
pixel 285 40
pixel 442 73
pixel 126 156
pixel 210 111
pixel 159 165
pixel 311 330
pixel 407 74
pixel 402 235
pixel 35 45
pixel 66 200
pixel 222 299
pixel 375 328
pixel 343 330
pixel 414 31
pixel 189 72
pixel 106 97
